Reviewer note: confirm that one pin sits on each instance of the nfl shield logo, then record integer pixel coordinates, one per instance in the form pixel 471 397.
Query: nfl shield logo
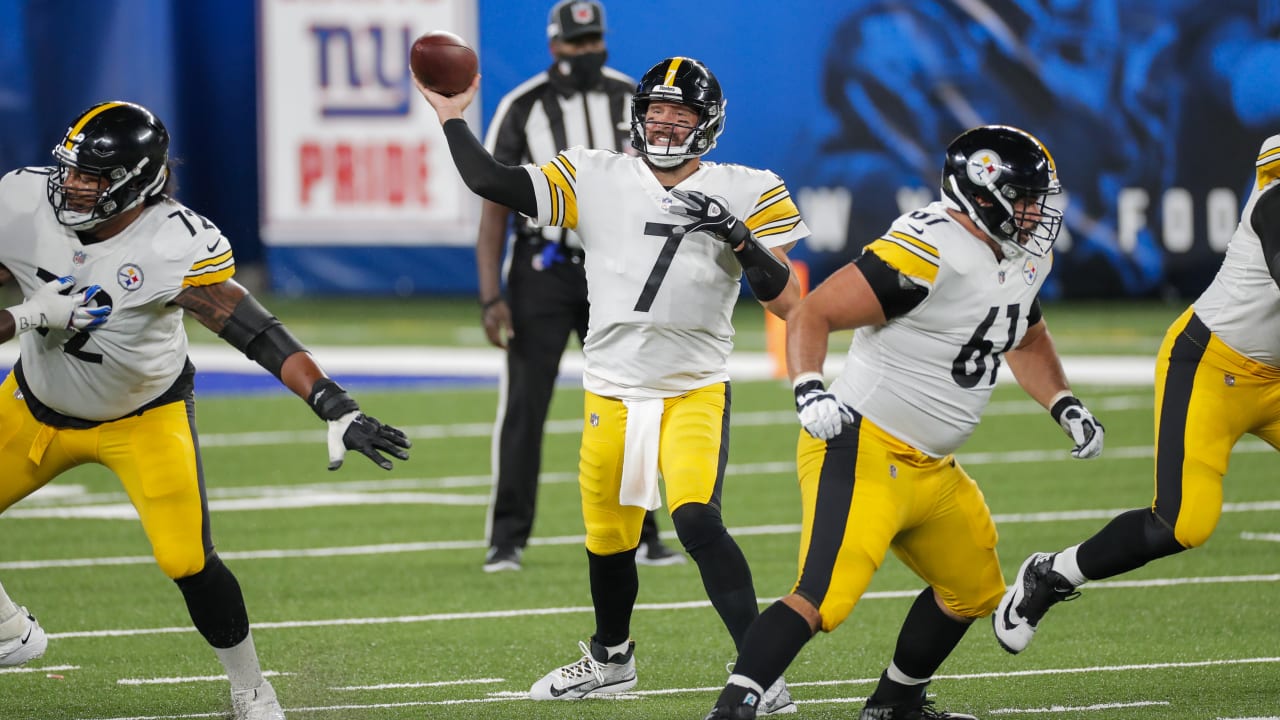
pixel 594 420
pixel 79 257
pixel 582 13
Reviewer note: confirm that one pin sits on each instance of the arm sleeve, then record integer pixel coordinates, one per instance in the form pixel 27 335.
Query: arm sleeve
pixel 503 184
pixel 1266 223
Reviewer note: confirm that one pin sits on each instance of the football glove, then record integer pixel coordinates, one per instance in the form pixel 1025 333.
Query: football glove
pixel 709 215
pixel 350 429
pixel 821 414
pixel 1080 425
pixel 53 305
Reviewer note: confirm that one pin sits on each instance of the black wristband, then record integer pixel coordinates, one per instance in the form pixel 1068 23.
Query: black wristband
pixel 807 387
pixel 1062 405
pixel 484 306
pixel 329 401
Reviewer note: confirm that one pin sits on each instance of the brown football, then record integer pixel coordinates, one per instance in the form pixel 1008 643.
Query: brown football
pixel 443 62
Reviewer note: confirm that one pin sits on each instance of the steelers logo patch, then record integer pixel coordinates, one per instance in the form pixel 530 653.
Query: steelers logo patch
pixel 1029 271
pixel 984 167
pixel 129 276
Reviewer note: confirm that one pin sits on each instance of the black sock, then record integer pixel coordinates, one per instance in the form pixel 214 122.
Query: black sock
pixel 614 586
pixel 927 637
pixel 216 604
pixel 1129 541
pixel 775 639
pixel 727 579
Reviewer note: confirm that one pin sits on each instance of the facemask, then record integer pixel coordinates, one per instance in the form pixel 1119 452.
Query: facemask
pixel 583 71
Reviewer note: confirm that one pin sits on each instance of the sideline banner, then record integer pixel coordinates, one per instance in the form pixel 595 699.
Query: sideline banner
pixel 352 158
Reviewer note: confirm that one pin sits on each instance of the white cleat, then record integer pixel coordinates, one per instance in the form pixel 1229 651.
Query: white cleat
pixel 1035 589
pixel 29 644
pixel 260 703
pixel 589 676
pixel 777 699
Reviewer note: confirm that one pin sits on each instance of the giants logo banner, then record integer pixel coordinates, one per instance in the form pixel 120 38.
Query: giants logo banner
pixel 351 153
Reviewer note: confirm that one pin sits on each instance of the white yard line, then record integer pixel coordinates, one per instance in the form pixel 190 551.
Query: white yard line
pixel 47 668
pixel 401 686
pixel 451 545
pixel 192 679
pixel 507 696
pixel 643 607
pixel 1076 708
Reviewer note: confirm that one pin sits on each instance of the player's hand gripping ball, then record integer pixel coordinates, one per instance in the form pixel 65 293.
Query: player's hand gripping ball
pixel 443 62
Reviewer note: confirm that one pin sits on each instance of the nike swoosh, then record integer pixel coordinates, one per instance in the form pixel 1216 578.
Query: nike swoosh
pixel 558 692
pixel 1004 617
pixel 30 629
pixel 210 248
pixel 915 229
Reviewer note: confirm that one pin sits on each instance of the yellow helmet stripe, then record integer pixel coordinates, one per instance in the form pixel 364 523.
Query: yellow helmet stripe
pixel 670 78
pixel 84 120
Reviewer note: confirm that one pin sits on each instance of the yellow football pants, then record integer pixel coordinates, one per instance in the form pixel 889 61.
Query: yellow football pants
pixel 863 493
pixel 153 455
pixel 692 451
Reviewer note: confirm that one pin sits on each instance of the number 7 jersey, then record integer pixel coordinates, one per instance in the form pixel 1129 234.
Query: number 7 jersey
pixel 132 359
pixel 926 376
pixel 661 303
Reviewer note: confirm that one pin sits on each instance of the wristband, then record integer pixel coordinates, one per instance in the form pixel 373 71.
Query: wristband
pixel 484 306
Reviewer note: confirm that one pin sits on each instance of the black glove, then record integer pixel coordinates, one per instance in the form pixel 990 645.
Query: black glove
pixel 709 215
pixel 350 429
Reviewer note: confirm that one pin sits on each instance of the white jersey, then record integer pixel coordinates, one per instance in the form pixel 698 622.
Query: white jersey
pixel 927 375
pixel 117 368
pixel 1242 304
pixel 661 305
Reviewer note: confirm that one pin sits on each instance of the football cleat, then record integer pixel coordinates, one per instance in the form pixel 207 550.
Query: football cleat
pixel 29 644
pixel 501 559
pixel 920 708
pixel 259 703
pixel 657 554
pixel 737 712
pixel 777 699
pixel 1035 589
pixel 594 674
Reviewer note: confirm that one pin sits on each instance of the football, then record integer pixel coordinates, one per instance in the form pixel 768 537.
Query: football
pixel 443 62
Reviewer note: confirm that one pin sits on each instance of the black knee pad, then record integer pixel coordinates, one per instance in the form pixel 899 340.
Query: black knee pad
pixel 697 526
pixel 216 604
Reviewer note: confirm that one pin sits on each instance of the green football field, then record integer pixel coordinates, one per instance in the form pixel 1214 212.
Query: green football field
pixel 368 600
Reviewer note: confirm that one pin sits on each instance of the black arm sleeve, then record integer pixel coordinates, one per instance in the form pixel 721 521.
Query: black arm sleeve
pixel 1266 223
pixel 259 335
pixel 1035 314
pixel 504 184
pixel 766 274
pixel 897 294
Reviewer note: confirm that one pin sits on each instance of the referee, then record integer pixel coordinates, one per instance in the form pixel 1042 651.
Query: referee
pixel 576 101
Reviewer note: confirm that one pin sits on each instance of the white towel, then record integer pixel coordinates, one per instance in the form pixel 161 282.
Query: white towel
pixel 639 485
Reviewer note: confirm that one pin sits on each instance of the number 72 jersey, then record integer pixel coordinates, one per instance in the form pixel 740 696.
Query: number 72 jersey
pixel 661 302
pixel 115 369
pixel 927 375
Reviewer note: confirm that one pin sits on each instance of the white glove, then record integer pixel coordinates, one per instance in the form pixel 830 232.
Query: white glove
pixel 48 307
pixel 821 414
pixel 1080 425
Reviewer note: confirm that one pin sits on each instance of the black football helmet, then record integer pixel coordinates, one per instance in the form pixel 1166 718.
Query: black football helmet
pixel 988 170
pixel 688 82
pixel 121 143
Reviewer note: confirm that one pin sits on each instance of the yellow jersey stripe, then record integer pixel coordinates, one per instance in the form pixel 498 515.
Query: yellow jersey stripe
pixel 670 77
pixel 84 120
pixel 926 247
pixel 781 210
pixel 564 196
pixel 1269 171
pixel 779 188
pixel 778 230
pixel 216 260
pixel 212 278
pixel 567 166
pixel 903 260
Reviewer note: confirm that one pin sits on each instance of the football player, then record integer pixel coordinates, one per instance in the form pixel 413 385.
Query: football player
pixel 108 264
pixel 938 301
pixel 666 237
pixel 1217 378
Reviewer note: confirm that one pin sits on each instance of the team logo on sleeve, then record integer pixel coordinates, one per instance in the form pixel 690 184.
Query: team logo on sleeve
pixel 129 276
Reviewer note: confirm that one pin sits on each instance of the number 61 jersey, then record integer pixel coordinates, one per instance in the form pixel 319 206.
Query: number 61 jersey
pixel 132 359
pixel 661 302
pixel 926 375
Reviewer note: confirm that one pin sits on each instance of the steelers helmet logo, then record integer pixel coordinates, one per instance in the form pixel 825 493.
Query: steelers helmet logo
pixel 984 167
pixel 129 276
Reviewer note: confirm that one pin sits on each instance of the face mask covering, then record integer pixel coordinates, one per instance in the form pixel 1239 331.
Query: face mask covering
pixel 583 71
